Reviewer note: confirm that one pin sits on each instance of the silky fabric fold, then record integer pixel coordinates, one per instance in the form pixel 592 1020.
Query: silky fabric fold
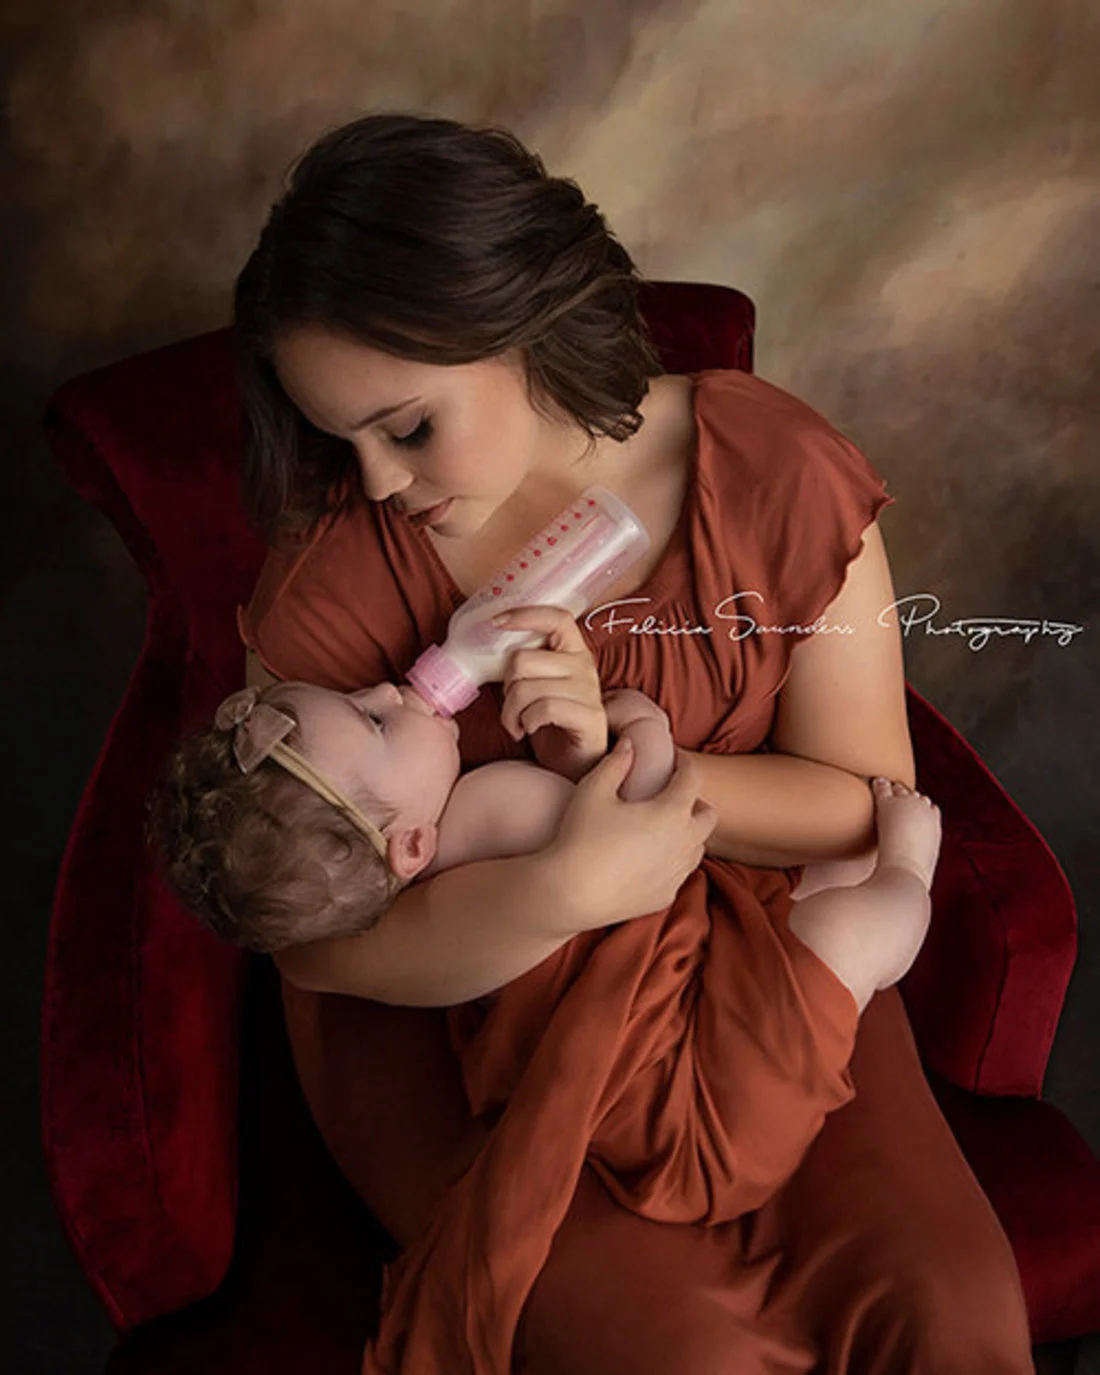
pixel 616 1050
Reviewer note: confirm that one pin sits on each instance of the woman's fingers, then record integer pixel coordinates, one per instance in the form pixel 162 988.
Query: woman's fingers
pixel 560 626
pixel 683 789
pixel 685 776
pixel 557 684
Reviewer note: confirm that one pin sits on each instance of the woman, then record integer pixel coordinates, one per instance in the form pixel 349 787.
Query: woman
pixel 432 324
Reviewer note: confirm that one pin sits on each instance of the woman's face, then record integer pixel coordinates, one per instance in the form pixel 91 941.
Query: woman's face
pixel 465 431
pixel 384 739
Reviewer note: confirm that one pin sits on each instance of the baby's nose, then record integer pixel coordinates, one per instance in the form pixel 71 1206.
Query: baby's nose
pixel 379 695
pixel 411 698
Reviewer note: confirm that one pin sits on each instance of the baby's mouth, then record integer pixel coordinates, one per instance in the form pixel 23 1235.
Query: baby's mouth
pixel 413 699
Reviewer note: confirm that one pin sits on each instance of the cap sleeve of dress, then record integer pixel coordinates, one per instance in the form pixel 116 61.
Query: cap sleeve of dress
pixel 809 515
pixel 839 495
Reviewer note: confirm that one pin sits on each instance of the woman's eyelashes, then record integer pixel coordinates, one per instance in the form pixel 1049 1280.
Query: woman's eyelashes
pixel 415 438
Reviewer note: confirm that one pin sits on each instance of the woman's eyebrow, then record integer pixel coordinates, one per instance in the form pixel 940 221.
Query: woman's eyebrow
pixel 381 415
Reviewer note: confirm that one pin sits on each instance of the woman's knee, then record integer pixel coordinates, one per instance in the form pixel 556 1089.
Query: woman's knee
pixel 620 1295
pixel 696 1337
pixel 962 1314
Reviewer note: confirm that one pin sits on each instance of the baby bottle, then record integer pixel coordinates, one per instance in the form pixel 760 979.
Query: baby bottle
pixel 582 550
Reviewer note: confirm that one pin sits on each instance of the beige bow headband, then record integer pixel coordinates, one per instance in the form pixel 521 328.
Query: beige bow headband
pixel 259 731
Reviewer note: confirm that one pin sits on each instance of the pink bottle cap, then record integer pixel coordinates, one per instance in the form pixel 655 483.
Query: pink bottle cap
pixel 441 681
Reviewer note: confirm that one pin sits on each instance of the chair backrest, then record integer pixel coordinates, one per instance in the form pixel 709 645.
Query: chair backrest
pixel 142 1005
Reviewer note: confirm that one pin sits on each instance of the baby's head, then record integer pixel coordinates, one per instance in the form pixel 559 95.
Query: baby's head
pixel 272 825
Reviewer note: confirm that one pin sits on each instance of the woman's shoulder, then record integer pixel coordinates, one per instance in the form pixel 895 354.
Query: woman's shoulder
pixel 320 610
pixel 729 399
pixel 762 439
pixel 779 475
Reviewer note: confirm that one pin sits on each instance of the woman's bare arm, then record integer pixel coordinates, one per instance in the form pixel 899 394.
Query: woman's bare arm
pixel 840 719
pixel 446 940
pixel 472 929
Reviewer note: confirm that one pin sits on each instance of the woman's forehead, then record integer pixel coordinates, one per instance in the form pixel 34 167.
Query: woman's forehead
pixel 318 356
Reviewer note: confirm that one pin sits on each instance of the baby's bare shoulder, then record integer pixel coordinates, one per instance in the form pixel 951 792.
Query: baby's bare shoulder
pixel 511 783
pixel 508 807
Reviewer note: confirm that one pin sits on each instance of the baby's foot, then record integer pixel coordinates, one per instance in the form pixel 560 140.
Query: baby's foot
pixel 908 825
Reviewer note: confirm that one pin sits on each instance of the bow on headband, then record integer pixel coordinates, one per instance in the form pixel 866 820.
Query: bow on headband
pixel 259 731
pixel 259 726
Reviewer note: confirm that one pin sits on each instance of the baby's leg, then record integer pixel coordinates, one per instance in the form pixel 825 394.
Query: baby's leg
pixel 835 873
pixel 869 934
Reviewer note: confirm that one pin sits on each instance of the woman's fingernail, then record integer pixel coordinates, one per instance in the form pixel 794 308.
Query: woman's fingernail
pixel 502 618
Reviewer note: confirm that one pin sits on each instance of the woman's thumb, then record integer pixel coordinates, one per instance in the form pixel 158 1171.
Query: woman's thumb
pixel 615 764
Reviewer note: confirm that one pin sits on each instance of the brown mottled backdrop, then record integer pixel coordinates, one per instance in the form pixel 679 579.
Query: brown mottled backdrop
pixel 907 188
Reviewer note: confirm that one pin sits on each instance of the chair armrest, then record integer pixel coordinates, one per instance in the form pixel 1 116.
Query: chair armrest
pixel 987 989
pixel 140 1027
pixel 1044 1184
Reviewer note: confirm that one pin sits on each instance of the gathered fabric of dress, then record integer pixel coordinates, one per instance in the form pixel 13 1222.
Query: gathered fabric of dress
pixel 640 1116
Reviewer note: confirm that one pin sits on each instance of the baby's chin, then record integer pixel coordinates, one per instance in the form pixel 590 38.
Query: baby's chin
pixel 450 775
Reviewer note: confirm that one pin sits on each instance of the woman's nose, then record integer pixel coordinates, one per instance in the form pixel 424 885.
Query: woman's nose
pixel 381 481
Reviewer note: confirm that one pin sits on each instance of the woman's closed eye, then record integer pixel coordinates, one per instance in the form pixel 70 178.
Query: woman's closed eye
pixel 415 438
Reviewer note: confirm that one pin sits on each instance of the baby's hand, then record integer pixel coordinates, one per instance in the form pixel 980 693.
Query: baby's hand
pixel 553 694
pixel 632 713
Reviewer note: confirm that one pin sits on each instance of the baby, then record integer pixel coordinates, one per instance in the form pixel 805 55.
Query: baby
pixel 304 813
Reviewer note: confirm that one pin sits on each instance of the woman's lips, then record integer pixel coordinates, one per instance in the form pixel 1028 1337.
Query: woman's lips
pixel 433 514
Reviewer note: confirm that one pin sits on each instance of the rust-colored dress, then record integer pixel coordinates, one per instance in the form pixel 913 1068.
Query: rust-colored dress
pixel 673 1146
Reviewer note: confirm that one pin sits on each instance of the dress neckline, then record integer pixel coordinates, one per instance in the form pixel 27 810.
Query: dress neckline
pixel 661 573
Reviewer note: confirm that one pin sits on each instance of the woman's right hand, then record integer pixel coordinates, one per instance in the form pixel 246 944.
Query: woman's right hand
pixel 618 860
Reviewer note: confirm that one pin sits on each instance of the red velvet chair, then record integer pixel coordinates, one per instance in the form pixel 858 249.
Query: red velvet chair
pixel 166 1076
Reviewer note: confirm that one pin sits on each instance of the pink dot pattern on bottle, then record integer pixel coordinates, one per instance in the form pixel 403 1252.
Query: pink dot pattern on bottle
pixel 550 539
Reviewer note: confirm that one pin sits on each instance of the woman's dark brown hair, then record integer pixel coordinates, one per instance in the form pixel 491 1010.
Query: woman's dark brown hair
pixel 259 858
pixel 437 242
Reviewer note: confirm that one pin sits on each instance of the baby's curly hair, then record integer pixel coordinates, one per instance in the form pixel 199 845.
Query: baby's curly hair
pixel 260 858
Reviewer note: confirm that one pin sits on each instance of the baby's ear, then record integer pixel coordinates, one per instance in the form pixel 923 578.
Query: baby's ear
pixel 412 848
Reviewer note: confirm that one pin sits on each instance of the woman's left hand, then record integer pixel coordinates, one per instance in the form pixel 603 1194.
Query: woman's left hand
pixel 553 694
